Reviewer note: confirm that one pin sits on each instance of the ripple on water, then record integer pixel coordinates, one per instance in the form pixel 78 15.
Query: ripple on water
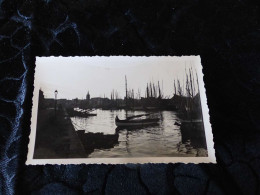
pixel 162 140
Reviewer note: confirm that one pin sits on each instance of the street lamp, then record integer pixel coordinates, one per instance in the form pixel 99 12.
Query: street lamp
pixel 55 93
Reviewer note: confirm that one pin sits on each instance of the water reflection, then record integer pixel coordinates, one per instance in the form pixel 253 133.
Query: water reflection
pixel 92 141
pixel 101 137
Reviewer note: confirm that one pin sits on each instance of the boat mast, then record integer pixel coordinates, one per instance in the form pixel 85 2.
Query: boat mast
pixel 125 91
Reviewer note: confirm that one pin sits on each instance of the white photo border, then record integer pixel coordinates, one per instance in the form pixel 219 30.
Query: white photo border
pixel 205 112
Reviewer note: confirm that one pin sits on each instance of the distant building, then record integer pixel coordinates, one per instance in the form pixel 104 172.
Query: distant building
pixel 41 99
pixel 97 102
pixel 88 96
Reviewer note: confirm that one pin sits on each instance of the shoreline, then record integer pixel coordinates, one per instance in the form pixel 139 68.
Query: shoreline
pixel 56 136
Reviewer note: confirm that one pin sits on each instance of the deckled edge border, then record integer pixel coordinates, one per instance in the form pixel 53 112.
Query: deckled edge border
pixel 160 160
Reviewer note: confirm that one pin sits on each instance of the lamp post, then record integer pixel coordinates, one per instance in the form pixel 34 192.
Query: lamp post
pixel 55 104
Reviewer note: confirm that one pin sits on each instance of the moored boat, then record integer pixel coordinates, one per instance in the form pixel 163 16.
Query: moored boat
pixel 139 122
pixel 79 113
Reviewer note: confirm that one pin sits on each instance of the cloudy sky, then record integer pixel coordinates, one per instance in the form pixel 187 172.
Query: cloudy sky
pixel 73 77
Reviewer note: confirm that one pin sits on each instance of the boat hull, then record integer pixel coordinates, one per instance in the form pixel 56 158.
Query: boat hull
pixel 134 124
pixel 73 113
pixel 129 123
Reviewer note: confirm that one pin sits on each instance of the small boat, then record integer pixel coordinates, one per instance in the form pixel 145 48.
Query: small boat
pixel 139 122
pixel 86 113
pixel 79 113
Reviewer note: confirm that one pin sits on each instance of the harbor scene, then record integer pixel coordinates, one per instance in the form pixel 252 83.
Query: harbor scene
pixel 158 115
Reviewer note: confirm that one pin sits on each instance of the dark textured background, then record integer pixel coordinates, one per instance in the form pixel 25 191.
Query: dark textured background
pixel 225 33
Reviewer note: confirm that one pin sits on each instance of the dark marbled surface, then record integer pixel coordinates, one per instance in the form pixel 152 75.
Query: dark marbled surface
pixel 226 35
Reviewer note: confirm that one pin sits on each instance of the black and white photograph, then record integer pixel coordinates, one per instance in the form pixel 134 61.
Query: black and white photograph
pixel 119 109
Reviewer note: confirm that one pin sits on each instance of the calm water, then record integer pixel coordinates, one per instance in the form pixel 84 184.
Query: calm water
pixel 164 139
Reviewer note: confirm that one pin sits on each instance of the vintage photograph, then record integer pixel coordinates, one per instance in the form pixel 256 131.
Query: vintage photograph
pixel 119 109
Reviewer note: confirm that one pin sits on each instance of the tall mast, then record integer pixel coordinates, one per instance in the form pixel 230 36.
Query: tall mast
pixel 160 95
pixel 125 91
pixel 174 88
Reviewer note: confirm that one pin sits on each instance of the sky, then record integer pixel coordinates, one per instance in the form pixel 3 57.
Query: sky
pixel 73 77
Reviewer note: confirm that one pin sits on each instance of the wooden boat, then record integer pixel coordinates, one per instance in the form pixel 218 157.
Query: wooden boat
pixel 92 141
pixel 79 113
pixel 86 113
pixel 139 122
